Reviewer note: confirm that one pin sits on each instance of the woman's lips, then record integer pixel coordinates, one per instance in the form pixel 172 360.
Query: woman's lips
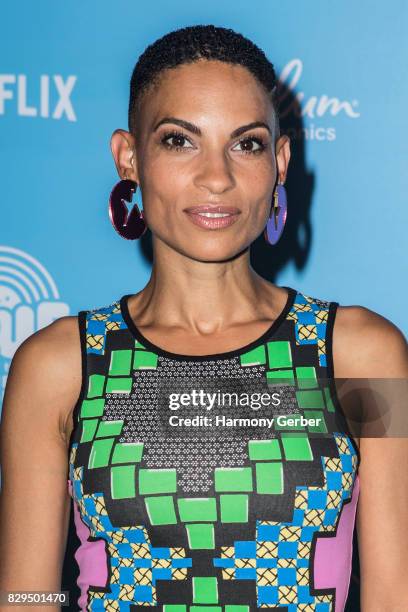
pixel 213 217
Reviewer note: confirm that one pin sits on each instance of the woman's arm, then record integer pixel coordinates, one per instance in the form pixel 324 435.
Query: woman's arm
pixel 43 385
pixel 379 351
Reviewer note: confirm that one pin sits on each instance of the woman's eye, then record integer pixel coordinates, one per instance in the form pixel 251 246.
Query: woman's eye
pixel 251 145
pixel 175 140
pixel 178 141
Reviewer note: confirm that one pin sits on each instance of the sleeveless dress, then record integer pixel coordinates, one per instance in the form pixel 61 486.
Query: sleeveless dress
pixel 183 505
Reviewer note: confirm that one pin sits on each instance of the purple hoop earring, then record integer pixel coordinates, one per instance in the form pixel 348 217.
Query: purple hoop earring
pixel 277 218
pixel 130 225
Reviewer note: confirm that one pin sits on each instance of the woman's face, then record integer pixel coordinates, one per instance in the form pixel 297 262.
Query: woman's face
pixel 195 148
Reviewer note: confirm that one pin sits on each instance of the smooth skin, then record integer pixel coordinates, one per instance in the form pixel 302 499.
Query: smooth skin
pixel 202 294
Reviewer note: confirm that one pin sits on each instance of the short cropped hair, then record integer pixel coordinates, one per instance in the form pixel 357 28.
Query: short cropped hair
pixel 189 44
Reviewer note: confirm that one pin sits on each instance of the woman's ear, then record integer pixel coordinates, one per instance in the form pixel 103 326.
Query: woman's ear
pixel 124 150
pixel 282 156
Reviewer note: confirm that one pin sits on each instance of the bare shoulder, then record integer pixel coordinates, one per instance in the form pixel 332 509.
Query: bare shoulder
pixel 53 347
pixel 48 366
pixel 367 344
pixel 43 383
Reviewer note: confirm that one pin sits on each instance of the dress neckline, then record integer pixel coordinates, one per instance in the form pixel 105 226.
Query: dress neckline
pixel 272 329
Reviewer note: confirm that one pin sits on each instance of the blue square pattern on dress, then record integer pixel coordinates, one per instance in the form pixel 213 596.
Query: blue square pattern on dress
pixel 139 562
pixel 245 573
pixel 90 507
pixel 221 562
pixel 330 516
pixel 304 595
pixel 323 360
pixel 245 549
pixel 125 550
pixel 334 480
pixel 105 522
pixel 96 328
pixel 317 500
pixel 160 553
pixel 298 517
pixel 322 607
pixel 143 593
pixel 161 573
pixel 126 575
pixel 135 536
pixel 77 489
pixel 268 533
pixel 306 318
pixel 286 576
pixel 115 588
pixel 346 463
pixel 186 562
pixel 307 533
pixel 267 595
pixel 287 550
pixel 116 316
pixel 266 562
pixel 321 330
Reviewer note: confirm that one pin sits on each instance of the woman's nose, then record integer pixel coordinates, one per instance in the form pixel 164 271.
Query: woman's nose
pixel 215 172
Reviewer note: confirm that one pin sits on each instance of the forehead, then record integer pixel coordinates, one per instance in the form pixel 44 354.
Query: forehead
pixel 204 91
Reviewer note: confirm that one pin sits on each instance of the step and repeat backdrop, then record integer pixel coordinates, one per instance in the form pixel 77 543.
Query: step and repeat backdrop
pixel 64 87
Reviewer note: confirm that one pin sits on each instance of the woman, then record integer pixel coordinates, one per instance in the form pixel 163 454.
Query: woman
pixel 181 504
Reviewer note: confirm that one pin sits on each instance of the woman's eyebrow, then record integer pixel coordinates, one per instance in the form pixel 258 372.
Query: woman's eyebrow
pixel 196 130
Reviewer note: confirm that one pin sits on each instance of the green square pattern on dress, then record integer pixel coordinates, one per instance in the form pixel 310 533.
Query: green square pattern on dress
pixel 144 360
pixel 200 535
pixel 88 429
pixel 109 428
pixel 123 482
pixel 233 479
pixel 120 362
pixel 264 450
pixel 269 478
pixel 121 384
pixel 328 398
pixel 100 453
pixel 306 377
pixel 205 589
pixel 127 452
pixel 279 354
pixel 197 509
pixel 157 481
pixel 310 399
pixel 296 447
pixel 234 508
pixel 319 427
pixel 255 357
pixel 95 385
pixel 280 377
pixel 92 407
pixel 160 510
